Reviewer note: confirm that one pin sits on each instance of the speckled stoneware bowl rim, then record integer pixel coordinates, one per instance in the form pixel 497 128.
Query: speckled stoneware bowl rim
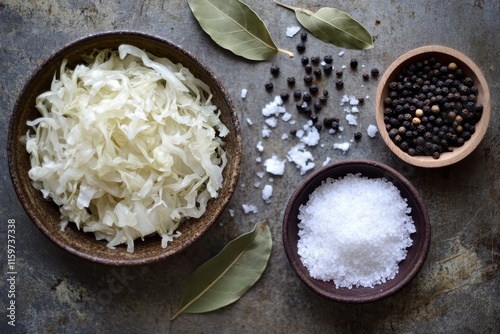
pixel 408 270
pixel 120 256
pixel 471 69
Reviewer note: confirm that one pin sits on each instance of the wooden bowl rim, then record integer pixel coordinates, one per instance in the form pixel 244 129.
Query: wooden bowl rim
pixel 459 153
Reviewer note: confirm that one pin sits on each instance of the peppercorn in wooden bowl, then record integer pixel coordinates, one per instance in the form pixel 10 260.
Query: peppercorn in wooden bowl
pixel 432 106
pixel 220 110
pixel 356 231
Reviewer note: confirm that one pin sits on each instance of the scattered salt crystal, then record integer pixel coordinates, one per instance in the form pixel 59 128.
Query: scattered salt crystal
pixel 242 186
pixel 341 128
pixel 327 161
pixel 342 146
pixel 323 63
pixel 249 208
pixel 249 121
pixel 275 166
pixel 260 146
pixel 284 136
pixel 372 130
pixel 344 67
pixel 302 158
pixel 274 107
pixel 271 179
pixel 299 133
pixel 341 53
pixel 354 245
pixel 331 131
pixel 286 116
pixel 351 119
pixel 311 135
pixel 292 122
pixel 292 31
pixel 260 174
pixel 272 122
pixel 231 212
pixel 267 192
pixel 266 132
pixel 256 184
pixel 258 159
pixel 244 92
pixel 354 109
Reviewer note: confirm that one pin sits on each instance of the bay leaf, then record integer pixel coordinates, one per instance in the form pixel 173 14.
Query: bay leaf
pixel 333 26
pixel 223 279
pixel 236 27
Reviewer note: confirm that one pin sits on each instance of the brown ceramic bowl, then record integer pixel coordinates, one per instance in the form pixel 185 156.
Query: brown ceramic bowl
pixel 45 214
pixel 408 268
pixel 444 55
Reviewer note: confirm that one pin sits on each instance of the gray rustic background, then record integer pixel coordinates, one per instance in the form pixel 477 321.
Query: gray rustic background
pixel 458 289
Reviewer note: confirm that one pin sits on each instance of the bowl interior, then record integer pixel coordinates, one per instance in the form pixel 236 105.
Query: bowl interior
pixel 444 55
pixel 45 214
pixel 408 268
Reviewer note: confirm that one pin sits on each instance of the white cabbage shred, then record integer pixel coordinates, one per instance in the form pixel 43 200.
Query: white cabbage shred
pixel 127 146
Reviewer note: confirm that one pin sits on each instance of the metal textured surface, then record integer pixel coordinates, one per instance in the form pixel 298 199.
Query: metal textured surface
pixel 458 287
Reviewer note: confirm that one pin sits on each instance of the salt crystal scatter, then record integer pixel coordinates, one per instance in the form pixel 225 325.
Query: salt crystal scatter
pixel 244 92
pixel 272 122
pixel 354 109
pixel 260 174
pixel 292 31
pixel 275 166
pixel 267 192
pixel 266 132
pixel 311 135
pixel 284 136
pixel 249 208
pixel 327 161
pixel 260 146
pixel 354 231
pixel 341 53
pixel 274 107
pixel 302 158
pixel 342 146
pixel 372 130
pixel 249 121
pixel 351 119
pixel 258 159
pixel 286 116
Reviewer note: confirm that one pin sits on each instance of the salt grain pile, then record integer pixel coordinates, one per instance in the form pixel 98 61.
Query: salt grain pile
pixel 354 231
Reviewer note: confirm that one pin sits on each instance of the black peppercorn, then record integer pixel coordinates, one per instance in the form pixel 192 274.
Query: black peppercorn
pixel 313 89
pixel 303 36
pixel 301 47
pixel 308 79
pixel 436 155
pixel 308 68
pixel 404 146
pixel 375 72
pixel 317 106
pixel 328 69
pixel 290 81
pixel 275 70
pixel 306 97
pixel 269 86
pixel 322 99
pixel 327 121
pixel 335 125
pixel 284 96
pixel 315 59
pixel 361 100
pixel 317 72
pixel 357 135
pixel 411 151
pixel 353 63
pixel 297 94
pixel 339 73
pixel 304 60
pixel 328 59
pixel 366 76
pixel 339 84
pixel 318 125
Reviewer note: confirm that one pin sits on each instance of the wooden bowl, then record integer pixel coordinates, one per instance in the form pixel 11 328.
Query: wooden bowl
pixel 45 214
pixel 408 268
pixel 444 55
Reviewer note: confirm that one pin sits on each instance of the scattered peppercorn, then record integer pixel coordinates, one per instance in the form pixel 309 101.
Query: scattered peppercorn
pixel 317 106
pixel 357 135
pixel 301 47
pixel 297 94
pixel 375 72
pixel 366 76
pixel 328 59
pixel 339 84
pixel 313 89
pixel 303 36
pixel 339 73
pixel 315 59
pixel 308 79
pixel 317 72
pixel 304 60
pixel 328 68
pixel 353 63
pixel 284 96
pixel 308 68
pixel 275 70
pixel 269 86
pixel 306 97
pixel 290 81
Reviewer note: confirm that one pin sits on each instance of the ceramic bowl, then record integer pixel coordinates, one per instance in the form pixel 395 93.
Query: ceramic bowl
pixel 444 55
pixel 408 268
pixel 45 214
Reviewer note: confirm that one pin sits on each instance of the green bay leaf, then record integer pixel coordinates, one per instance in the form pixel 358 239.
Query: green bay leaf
pixel 334 26
pixel 235 26
pixel 223 279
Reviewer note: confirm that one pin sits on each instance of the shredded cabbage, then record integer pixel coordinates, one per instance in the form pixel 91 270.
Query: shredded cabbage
pixel 127 146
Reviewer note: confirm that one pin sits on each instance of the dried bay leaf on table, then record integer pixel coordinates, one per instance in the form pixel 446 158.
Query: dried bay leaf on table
pixel 333 26
pixel 223 279
pixel 236 27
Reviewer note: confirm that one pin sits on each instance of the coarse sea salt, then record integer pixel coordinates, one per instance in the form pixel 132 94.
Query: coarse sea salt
pixel 267 192
pixel 249 208
pixel 344 147
pixel 371 130
pixel 354 231
pixel 292 31
pixel 302 158
pixel 244 93
pixel 275 166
